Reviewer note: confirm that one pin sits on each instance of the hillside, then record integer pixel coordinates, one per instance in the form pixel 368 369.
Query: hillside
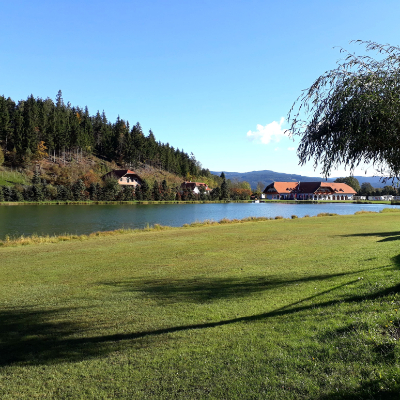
pixel 268 176
pixel 38 129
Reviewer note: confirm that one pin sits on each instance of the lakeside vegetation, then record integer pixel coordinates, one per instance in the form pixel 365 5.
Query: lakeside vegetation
pixel 305 308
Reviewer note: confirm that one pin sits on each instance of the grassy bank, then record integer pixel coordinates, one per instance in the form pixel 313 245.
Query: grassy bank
pixel 296 309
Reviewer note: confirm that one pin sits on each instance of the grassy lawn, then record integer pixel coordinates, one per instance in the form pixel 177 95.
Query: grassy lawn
pixel 283 309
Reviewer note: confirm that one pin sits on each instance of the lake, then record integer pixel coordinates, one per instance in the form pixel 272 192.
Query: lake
pixel 84 219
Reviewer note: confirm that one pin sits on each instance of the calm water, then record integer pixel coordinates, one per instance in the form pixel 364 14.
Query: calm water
pixel 84 219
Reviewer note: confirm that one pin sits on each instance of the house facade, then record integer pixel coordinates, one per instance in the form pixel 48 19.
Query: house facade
pixel 124 177
pixel 308 191
pixel 195 187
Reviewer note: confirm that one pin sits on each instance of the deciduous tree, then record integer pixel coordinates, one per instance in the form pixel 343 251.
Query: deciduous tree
pixel 351 114
pixel 351 181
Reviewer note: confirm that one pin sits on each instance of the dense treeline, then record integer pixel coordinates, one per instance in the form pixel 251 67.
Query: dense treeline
pixel 110 190
pixel 34 128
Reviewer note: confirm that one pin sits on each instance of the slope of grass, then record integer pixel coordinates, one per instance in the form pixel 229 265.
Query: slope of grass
pixel 295 309
pixel 11 178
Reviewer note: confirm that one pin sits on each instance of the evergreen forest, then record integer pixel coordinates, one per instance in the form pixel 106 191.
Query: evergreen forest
pixel 33 128
pixel 60 152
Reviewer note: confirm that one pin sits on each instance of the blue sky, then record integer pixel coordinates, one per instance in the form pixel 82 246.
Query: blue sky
pixel 212 77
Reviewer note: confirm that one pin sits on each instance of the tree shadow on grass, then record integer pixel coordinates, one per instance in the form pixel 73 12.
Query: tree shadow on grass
pixel 30 337
pixel 209 289
pixel 387 236
pixel 368 390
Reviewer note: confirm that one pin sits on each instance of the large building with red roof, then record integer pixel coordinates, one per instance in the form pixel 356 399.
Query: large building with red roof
pixel 308 191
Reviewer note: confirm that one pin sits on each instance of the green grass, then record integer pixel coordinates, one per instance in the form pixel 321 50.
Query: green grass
pixel 306 308
pixel 11 178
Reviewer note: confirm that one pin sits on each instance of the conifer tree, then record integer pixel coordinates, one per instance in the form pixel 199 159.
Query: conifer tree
pixel 16 195
pixel 62 193
pixel 93 191
pixel 145 189
pixel 1 194
pixel 156 191
pixel 138 193
pixel 164 190
pixel 7 193
pixel 224 190
pixel 78 190
pixel 128 193
pixel 36 178
pixel 37 193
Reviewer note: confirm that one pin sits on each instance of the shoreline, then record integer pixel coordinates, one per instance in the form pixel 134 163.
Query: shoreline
pixel 93 203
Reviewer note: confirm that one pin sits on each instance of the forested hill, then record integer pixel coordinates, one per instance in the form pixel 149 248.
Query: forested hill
pixel 33 127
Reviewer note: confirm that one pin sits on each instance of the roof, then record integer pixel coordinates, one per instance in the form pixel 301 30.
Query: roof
pixel 194 184
pixel 119 173
pixel 312 187
pixel 282 187
pixel 309 187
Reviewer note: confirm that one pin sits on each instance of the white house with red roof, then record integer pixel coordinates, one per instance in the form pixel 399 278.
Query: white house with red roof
pixel 195 187
pixel 308 191
pixel 124 177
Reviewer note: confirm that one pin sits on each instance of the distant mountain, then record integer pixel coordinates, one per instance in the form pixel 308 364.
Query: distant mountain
pixel 267 177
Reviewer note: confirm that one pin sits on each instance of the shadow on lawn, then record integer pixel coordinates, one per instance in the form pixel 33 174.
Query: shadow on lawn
pixel 387 236
pixel 43 337
pixel 40 337
pixel 203 290
pixel 369 390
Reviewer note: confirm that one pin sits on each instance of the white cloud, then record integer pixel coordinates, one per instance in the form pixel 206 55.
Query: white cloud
pixel 291 148
pixel 276 149
pixel 270 132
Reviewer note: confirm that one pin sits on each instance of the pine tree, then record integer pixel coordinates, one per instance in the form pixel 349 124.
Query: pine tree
pixel 164 190
pixel 36 178
pixel 78 190
pixel 93 191
pixel 128 193
pixel 37 193
pixel 1 194
pixel 156 191
pixel 99 191
pixel 224 190
pixel 138 193
pixel 16 195
pixel 145 189
pixel 7 193
pixel 5 122
pixel 62 193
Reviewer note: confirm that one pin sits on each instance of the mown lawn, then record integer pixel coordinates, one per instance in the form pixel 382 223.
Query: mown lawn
pixel 284 309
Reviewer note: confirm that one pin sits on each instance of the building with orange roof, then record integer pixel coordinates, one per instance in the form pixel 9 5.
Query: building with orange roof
pixel 308 191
